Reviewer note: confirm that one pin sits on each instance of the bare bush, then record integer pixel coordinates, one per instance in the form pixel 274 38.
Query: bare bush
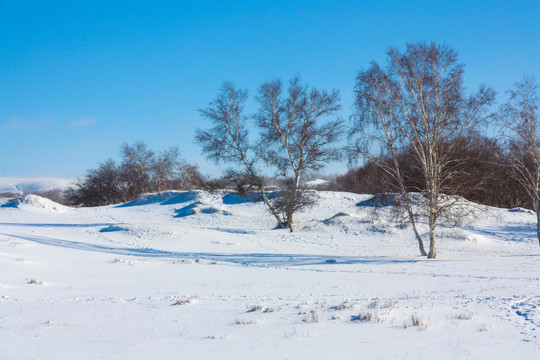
pixel 141 171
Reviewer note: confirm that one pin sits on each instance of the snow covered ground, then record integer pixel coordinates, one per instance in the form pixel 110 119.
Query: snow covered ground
pixel 196 275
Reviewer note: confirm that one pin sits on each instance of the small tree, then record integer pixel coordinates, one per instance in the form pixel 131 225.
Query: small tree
pixel 521 126
pixel 419 102
pixel 299 132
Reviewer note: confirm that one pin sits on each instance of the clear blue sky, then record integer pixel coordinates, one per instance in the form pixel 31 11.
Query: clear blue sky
pixel 79 78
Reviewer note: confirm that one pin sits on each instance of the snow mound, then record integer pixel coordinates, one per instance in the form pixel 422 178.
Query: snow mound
pixel 200 207
pixel 233 197
pixel 521 210
pixel 461 235
pixel 347 222
pixel 343 218
pixel 33 202
pixel 381 200
pixel 170 197
pixel 113 228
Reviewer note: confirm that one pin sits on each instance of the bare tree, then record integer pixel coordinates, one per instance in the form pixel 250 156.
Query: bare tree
pixel 299 132
pixel 189 177
pixel 166 168
pixel 227 142
pixel 294 138
pixel 521 126
pixel 136 167
pixel 101 186
pixel 377 135
pixel 420 102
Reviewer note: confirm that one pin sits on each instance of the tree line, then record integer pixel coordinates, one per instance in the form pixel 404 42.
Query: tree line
pixel 418 131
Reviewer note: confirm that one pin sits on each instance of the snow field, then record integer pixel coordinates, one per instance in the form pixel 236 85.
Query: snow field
pixel 148 280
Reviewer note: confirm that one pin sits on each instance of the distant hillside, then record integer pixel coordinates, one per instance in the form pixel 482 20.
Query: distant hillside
pixel 24 185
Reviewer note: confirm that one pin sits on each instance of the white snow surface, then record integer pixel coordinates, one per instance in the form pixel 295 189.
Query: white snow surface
pixel 196 275
pixel 22 185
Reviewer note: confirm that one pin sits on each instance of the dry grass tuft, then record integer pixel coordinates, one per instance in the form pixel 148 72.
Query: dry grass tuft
pixel 415 321
pixel 183 302
pixel 344 306
pixel 364 317
pixel 244 322
pixel 34 282
pixel 311 318
pixel 464 316
pixel 253 308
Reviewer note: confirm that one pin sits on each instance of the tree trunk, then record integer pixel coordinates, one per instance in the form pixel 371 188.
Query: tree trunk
pixel 432 252
pixel 290 222
pixel 416 234
pixel 537 211
pixel 411 218
pixel 270 207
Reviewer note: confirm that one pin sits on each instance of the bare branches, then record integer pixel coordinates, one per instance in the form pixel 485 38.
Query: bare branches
pixel 520 124
pixel 298 132
pixel 418 104
pixel 228 140
pixel 295 135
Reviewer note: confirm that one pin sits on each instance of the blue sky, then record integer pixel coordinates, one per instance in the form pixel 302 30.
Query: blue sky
pixel 78 79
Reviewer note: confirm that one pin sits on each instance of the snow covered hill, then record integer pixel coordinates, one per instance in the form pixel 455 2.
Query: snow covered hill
pixel 205 275
pixel 21 185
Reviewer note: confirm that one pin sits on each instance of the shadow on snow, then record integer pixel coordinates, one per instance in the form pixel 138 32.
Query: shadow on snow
pixel 257 259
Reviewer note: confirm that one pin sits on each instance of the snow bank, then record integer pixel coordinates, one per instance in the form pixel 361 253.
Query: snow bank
pixel 521 210
pixel 202 208
pixel 170 197
pixel 201 201
pixel 33 202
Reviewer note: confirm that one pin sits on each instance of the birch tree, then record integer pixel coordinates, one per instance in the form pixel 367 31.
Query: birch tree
pixel 421 100
pixel 519 116
pixel 377 136
pixel 227 141
pixel 299 131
